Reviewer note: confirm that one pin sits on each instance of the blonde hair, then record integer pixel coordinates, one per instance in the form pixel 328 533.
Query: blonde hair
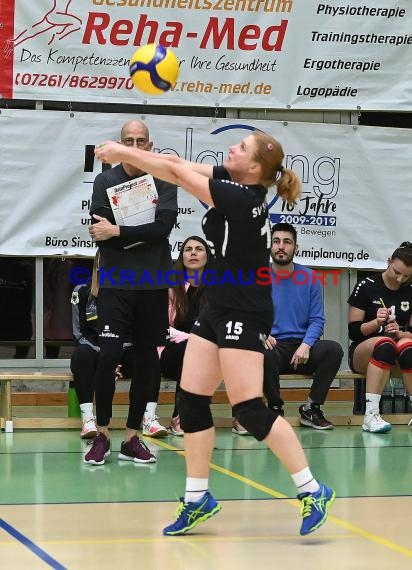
pixel 94 287
pixel 269 154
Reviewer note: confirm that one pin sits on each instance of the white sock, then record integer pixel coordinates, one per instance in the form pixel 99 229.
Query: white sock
pixel 195 489
pixel 372 403
pixel 87 411
pixel 150 409
pixel 305 481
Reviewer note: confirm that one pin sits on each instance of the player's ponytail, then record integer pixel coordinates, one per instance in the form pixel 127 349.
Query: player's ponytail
pixel 288 185
pixel 269 153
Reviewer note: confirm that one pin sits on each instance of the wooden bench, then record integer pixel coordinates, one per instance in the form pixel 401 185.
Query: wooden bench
pixel 165 397
pixel 6 380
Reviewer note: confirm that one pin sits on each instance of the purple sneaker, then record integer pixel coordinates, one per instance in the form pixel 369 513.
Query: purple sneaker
pixel 135 450
pixel 100 449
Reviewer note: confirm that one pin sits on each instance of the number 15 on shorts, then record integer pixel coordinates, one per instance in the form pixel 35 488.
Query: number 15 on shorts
pixel 233 330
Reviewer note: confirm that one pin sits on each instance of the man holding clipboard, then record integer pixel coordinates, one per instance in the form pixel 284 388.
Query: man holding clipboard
pixel 130 305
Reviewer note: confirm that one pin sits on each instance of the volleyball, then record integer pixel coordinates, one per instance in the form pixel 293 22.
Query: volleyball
pixel 154 69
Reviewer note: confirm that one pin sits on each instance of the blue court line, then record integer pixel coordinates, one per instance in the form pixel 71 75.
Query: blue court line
pixel 31 546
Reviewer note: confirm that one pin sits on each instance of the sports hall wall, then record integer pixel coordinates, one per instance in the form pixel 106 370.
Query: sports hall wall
pixel 313 74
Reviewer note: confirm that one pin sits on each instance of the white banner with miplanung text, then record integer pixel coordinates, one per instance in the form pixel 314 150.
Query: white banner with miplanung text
pixel 300 54
pixel 354 210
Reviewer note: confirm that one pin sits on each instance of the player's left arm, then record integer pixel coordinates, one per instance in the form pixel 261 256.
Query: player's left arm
pixel 193 178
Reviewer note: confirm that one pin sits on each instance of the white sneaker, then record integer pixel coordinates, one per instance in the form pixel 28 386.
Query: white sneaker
pixel 374 423
pixel 152 428
pixel 410 423
pixel 238 428
pixel 89 429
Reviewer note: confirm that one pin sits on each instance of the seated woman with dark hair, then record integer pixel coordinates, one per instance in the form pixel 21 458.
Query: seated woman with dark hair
pixel 380 326
pixel 185 302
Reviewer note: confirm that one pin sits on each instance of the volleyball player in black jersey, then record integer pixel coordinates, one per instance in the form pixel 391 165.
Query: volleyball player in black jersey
pixel 227 340
pixel 380 326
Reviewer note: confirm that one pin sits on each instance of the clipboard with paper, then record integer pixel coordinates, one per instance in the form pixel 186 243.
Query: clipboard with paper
pixel 134 202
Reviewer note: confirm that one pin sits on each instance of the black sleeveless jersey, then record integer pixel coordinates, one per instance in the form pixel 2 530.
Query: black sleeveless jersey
pixel 237 230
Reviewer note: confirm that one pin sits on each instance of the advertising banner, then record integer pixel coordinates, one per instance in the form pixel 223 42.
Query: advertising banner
pixel 300 54
pixel 354 210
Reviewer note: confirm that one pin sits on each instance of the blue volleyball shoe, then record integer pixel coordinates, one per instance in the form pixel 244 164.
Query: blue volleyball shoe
pixel 191 514
pixel 314 508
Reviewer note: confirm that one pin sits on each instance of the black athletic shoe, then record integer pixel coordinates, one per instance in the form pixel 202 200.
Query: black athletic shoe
pixel 314 418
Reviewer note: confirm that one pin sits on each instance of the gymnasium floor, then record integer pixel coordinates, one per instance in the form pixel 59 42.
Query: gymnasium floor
pixel 56 512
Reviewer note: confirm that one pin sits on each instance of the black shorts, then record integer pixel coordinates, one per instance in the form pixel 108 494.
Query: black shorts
pixel 139 316
pixel 231 328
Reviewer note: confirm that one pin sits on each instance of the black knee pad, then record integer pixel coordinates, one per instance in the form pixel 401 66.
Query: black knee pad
pixel 405 357
pixel 384 353
pixel 194 411
pixel 255 417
